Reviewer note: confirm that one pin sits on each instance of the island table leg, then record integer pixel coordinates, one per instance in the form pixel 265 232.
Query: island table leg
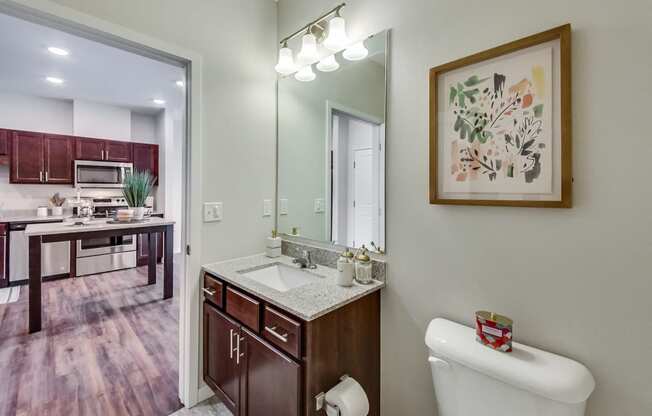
pixel 34 283
pixel 168 255
pixel 151 258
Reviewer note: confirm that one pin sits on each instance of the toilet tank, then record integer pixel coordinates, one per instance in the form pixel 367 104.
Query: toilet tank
pixel 471 379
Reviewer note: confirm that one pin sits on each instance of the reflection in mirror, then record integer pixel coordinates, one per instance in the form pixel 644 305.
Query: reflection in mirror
pixel 331 151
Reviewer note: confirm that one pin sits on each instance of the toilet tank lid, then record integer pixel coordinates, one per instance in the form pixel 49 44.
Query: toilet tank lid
pixel 542 373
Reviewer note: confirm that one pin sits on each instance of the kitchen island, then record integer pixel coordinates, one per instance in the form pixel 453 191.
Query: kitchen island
pixel 65 231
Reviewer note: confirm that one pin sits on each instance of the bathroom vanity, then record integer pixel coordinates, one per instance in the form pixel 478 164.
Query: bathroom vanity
pixel 273 342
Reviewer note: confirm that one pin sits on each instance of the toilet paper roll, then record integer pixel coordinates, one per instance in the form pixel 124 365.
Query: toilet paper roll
pixel 349 397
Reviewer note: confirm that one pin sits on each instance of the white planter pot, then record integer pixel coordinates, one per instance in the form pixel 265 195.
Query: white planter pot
pixel 139 213
pixel 57 211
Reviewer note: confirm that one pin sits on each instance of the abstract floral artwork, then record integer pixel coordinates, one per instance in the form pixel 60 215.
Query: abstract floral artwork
pixel 500 125
pixel 498 128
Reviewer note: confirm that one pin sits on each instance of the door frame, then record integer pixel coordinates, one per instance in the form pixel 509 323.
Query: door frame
pixel 331 107
pixel 48 13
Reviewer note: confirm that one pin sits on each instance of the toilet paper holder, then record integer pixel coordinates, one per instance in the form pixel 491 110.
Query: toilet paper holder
pixel 320 399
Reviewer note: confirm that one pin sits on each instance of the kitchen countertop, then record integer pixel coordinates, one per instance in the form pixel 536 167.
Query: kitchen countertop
pixel 94 225
pixel 31 217
pixel 307 302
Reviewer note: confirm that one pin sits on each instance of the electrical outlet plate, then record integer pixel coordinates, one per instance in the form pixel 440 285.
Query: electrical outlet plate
pixel 267 208
pixel 213 211
pixel 319 205
pixel 283 206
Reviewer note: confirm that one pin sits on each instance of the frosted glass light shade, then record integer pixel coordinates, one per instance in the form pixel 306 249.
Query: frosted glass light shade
pixel 337 38
pixel 308 53
pixel 355 52
pixel 328 64
pixel 285 65
pixel 305 74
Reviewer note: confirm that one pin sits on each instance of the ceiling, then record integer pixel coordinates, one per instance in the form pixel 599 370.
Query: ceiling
pixel 92 71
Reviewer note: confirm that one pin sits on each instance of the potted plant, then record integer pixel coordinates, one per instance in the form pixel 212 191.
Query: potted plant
pixel 137 187
pixel 57 204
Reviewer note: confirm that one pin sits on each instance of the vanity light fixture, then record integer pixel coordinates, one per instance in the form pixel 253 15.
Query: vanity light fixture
pixel 54 80
pixel 305 74
pixel 58 51
pixel 337 39
pixel 285 65
pixel 328 64
pixel 355 52
pixel 308 53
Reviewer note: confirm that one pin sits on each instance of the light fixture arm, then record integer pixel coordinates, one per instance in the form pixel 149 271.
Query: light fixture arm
pixel 333 11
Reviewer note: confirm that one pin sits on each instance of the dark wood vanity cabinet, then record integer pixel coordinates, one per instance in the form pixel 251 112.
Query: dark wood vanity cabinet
pixel 262 361
pixel 4 279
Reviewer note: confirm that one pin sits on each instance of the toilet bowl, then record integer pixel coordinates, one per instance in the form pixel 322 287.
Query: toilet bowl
pixel 471 379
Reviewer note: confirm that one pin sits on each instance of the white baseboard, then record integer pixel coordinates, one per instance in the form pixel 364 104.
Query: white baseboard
pixel 204 393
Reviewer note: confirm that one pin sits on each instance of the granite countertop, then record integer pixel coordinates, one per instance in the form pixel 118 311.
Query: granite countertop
pixel 32 218
pixel 94 225
pixel 307 302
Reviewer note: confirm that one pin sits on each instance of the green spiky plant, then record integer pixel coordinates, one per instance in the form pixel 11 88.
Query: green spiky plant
pixel 137 187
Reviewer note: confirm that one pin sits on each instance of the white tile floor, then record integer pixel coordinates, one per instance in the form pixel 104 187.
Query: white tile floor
pixel 210 407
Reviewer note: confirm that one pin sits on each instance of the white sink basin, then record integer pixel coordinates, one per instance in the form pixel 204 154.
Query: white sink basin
pixel 281 277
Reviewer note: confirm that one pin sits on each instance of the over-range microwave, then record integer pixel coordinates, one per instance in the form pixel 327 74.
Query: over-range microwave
pixel 94 174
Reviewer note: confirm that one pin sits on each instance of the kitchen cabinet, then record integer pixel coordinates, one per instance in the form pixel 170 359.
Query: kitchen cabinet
pixel 4 142
pixel 41 158
pixel 261 360
pixel 26 164
pixel 116 151
pixel 58 159
pixel 146 159
pixel 4 278
pixel 106 150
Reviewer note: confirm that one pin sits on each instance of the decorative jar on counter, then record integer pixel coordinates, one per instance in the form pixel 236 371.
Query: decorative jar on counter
pixel 363 267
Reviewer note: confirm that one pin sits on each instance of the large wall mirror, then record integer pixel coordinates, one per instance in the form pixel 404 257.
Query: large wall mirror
pixel 331 151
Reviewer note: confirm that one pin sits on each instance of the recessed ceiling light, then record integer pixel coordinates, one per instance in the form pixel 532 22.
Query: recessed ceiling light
pixel 158 101
pixel 58 51
pixel 180 83
pixel 54 80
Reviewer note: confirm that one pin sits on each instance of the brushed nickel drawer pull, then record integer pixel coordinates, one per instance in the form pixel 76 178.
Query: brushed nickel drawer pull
pixel 231 343
pixel 209 291
pixel 272 331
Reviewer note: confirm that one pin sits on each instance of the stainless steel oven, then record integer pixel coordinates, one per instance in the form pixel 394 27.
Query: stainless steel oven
pixel 93 174
pixel 105 254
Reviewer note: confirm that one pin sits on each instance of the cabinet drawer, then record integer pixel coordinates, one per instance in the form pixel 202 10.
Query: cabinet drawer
pixel 213 290
pixel 243 308
pixel 282 331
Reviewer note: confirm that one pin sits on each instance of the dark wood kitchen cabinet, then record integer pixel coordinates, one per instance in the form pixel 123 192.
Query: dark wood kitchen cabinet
pixel 58 159
pixel 146 159
pixel 281 367
pixel 41 158
pixel 103 150
pixel 26 165
pixel 4 142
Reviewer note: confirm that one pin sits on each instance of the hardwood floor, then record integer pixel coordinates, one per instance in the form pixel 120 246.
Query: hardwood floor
pixel 109 346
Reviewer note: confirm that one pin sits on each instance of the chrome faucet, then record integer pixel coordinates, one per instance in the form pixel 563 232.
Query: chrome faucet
pixel 305 262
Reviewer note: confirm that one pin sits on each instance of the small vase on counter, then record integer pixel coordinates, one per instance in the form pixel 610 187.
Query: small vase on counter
pixel 363 266
pixel 273 245
pixel 345 269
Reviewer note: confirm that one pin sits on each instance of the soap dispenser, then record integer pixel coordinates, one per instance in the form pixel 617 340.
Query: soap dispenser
pixel 273 245
pixel 345 269
pixel 363 266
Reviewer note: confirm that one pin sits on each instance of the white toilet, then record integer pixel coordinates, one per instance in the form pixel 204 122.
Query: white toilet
pixel 471 379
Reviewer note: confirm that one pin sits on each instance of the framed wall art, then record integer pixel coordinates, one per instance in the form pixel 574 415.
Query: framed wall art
pixel 500 125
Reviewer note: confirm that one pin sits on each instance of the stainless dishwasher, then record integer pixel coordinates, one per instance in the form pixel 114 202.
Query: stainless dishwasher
pixel 55 257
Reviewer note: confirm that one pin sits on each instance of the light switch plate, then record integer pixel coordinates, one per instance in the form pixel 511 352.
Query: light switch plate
pixel 319 205
pixel 213 211
pixel 283 206
pixel 267 208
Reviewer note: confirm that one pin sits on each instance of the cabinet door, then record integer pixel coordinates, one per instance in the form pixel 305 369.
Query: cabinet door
pixel 26 157
pixel 4 279
pixel 271 382
pixel 146 158
pixel 89 149
pixel 116 151
pixel 58 157
pixel 221 371
pixel 4 142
